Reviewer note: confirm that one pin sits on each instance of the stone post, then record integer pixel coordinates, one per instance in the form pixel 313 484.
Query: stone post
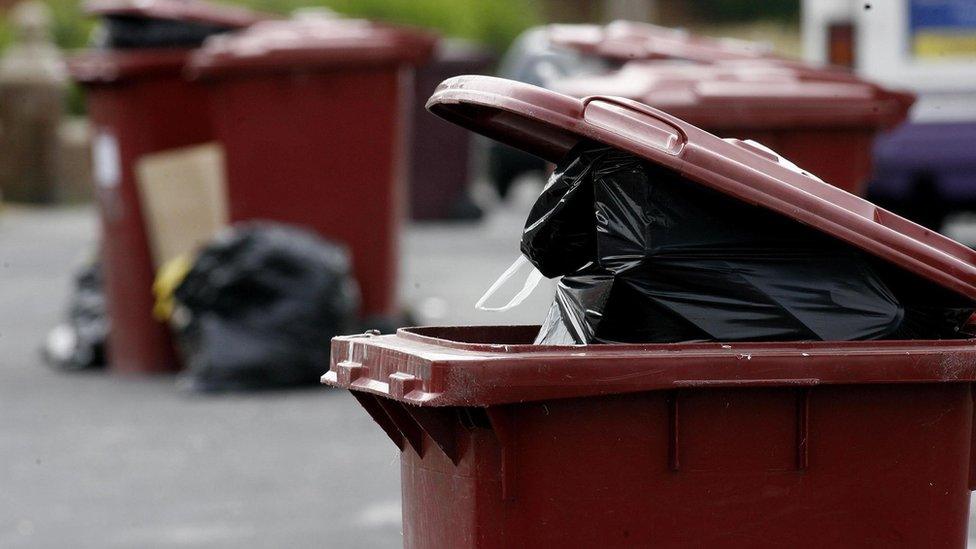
pixel 33 81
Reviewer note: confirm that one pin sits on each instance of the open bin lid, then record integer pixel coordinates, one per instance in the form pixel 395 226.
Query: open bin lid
pixel 312 43
pixel 549 124
pixel 747 96
pixel 624 40
pixel 192 11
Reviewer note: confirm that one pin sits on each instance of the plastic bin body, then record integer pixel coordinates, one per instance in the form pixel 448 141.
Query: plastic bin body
pixel 758 445
pixel 314 133
pixel 818 444
pixel 138 104
pixel 314 150
pixel 441 152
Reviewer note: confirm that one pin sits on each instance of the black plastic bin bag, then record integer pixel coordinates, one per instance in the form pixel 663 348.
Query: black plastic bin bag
pixel 647 256
pixel 79 343
pixel 262 303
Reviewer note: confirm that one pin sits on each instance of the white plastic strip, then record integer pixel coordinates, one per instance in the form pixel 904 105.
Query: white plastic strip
pixel 531 281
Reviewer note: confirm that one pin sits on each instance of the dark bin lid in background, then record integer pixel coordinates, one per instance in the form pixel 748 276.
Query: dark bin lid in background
pixel 192 11
pixel 112 64
pixel 107 66
pixel 312 43
pixel 548 124
pixel 717 96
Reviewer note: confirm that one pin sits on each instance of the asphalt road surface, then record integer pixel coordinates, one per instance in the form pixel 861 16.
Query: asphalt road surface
pixel 93 461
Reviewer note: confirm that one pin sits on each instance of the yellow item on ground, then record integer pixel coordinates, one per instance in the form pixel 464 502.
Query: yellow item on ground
pixel 169 276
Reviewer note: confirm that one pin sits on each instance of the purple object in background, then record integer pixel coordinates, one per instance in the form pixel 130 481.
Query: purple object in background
pixel 926 171
pixel 440 167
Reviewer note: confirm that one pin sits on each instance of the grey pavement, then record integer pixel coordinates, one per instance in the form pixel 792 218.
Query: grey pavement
pixel 94 461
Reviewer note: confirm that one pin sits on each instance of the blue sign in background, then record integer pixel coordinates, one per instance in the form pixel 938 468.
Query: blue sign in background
pixel 943 14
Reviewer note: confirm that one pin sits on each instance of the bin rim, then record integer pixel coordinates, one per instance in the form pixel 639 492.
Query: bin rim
pixel 275 46
pixel 548 124
pixel 193 11
pixel 93 67
pixel 434 366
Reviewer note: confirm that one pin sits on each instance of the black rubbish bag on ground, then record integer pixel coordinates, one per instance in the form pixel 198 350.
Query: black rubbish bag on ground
pixel 79 343
pixel 261 304
pixel 647 256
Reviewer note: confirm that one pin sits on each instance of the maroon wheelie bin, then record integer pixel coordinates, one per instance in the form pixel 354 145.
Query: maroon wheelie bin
pixel 761 444
pixel 825 126
pixel 139 103
pixel 313 115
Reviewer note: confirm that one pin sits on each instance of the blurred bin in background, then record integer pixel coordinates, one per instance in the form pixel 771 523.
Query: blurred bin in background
pixel 622 41
pixel 626 40
pixel 547 54
pixel 139 103
pixel 313 115
pixel 827 127
pixel 532 59
pixel 440 166
pixel 753 443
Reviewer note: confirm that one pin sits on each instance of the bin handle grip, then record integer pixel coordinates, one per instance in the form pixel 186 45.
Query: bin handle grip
pixel 649 119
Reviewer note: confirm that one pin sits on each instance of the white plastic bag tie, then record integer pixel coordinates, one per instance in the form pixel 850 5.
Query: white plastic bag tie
pixel 531 281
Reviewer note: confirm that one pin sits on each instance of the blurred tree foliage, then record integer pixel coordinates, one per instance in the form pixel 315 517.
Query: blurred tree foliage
pixel 738 11
pixel 492 22
pixel 70 27
pixel 6 33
